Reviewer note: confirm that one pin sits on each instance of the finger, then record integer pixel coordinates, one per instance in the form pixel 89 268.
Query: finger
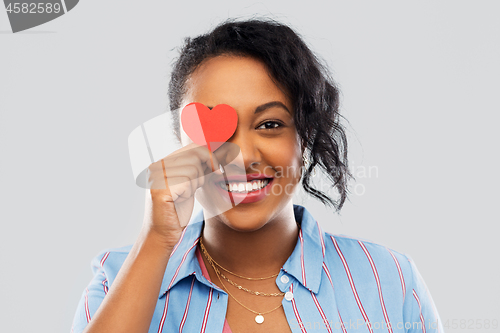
pixel 184 190
pixel 195 163
pixel 206 157
pixel 172 174
pixel 198 156
pixel 174 167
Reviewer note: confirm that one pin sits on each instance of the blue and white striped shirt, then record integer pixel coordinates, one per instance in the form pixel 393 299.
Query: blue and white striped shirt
pixel 339 284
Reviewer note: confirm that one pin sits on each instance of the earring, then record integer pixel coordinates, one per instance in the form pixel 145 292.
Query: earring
pixel 306 165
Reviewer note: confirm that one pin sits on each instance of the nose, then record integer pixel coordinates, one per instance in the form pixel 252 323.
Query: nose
pixel 240 153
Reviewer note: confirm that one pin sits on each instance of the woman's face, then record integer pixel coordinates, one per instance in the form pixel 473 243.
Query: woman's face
pixel 265 134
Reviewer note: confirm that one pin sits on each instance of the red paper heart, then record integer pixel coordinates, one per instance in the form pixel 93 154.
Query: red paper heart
pixel 209 127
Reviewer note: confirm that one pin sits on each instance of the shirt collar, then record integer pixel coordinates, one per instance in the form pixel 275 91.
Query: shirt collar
pixel 304 264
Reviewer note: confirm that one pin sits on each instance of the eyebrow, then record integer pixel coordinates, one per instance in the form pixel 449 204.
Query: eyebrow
pixel 266 106
pixel 269 105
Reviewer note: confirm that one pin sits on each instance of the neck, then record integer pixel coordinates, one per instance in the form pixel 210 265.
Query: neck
pixel 255 253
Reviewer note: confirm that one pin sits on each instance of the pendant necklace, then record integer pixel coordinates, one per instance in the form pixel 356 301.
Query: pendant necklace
pixel 259 318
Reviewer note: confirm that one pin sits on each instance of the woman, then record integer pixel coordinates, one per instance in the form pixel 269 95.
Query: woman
pixel 264 265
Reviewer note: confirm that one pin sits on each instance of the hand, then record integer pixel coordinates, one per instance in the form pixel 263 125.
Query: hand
pixel 173 182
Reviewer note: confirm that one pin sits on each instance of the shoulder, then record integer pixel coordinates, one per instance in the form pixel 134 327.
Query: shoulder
pixel 366 255
pixel 343 243
pixel 110 255
pixel 110 260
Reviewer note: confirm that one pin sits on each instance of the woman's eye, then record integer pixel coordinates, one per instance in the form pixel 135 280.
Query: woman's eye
pixel 269 125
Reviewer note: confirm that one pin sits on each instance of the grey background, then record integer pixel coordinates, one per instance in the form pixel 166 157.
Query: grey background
pixel 420 89
pixel 33 16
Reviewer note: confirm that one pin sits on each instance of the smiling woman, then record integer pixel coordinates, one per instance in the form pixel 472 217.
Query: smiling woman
pixel 264 265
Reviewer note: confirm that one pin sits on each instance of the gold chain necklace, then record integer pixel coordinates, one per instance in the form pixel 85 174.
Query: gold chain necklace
pixel 257 293
pixel 209 258
pixel 211 261
pixel 259 318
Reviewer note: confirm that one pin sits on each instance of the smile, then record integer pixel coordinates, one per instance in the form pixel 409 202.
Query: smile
pixel 236 191
pixel 244 187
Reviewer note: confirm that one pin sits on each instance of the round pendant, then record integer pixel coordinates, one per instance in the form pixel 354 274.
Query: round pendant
pixel 259 319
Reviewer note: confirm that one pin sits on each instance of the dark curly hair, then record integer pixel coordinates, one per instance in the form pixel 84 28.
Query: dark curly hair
pixel 292 64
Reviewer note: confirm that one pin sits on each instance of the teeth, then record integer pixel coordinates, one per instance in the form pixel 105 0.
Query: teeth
pixel 245 187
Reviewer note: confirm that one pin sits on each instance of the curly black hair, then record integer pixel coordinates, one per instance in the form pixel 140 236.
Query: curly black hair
pixel 293 65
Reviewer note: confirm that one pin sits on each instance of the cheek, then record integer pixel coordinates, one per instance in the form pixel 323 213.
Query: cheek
pixel 287 160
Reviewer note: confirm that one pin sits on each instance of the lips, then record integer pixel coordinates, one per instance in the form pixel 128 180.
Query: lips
pixel 244 196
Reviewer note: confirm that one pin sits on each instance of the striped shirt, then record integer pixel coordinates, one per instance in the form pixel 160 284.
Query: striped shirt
pixel 336 284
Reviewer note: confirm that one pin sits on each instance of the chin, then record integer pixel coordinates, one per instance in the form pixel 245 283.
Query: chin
pixel 242 221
